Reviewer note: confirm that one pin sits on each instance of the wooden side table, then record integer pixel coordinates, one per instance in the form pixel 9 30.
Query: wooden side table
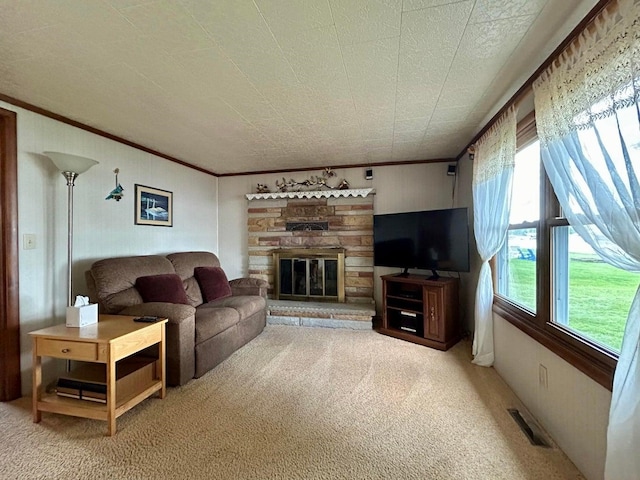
pixel 113 338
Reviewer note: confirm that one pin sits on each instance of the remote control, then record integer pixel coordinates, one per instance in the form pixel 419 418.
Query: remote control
pixel 146 319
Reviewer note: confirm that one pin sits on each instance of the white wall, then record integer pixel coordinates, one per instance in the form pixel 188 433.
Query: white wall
pixel 101 228
pixel 573 409
pixel 401 188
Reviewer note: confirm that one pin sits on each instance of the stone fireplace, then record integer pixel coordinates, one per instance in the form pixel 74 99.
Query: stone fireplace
pixel 314 246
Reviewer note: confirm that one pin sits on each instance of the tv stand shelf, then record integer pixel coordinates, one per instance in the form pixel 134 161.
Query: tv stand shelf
pixel 421 310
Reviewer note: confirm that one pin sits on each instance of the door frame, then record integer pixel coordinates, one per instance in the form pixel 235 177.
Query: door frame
pixel 10 384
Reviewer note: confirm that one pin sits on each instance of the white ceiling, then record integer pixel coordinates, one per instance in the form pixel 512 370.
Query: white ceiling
pixel 252 85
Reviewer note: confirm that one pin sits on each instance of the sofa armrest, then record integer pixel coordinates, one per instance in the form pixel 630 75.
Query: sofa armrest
pixel 180 337
pixel 249 286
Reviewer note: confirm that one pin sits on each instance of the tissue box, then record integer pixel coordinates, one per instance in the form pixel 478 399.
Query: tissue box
pixel 82 316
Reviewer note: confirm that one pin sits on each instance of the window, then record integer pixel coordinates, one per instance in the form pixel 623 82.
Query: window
pixel 591 298
pixel 517 265
pixel 550 283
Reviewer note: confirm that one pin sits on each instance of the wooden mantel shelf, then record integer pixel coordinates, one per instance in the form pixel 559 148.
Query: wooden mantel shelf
pixel 353 192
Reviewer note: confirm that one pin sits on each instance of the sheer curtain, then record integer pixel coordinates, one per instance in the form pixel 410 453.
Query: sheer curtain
pixel 588 118
pixel 492 179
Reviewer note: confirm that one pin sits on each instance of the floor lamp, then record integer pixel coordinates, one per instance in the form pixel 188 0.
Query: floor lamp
pixel 70 166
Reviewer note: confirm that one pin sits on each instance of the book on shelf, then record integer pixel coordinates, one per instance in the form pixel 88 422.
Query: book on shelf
pixel 91 398
pixel 68 394
pixel 88 381
pixel 82 389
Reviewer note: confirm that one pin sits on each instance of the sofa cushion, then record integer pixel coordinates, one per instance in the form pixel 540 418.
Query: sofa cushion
pixel 246 305
pixel 213 283
pixel 184 264
pixel 212 321
pixel 162 288
pixel 114 279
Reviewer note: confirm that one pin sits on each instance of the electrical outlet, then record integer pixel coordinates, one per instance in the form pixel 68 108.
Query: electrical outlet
pixel 543 379
pixel 28 241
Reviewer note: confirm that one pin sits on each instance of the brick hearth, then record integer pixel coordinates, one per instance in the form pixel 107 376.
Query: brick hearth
pixel 320 314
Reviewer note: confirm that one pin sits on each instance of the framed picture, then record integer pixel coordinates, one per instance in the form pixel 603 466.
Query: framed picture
pixel 153 206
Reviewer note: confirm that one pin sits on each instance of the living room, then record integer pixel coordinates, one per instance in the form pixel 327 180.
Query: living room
pixel 210 214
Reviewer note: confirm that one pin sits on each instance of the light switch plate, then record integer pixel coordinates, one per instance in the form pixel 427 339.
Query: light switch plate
pixel 29 241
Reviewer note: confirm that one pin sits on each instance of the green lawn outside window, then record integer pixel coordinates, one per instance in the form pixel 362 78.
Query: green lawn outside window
pixel 600 295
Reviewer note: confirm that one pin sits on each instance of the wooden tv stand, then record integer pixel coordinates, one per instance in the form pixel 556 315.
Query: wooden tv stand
pixel 421 310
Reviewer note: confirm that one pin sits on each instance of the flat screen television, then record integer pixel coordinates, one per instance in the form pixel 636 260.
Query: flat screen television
pixel 426 240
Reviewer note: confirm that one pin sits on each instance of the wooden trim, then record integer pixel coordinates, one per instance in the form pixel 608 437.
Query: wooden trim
pixel 102 133
pixel 527 86
pixel 600 371
pixel 115 138
pixel 10 386
pixel 516 97
pixel 334 167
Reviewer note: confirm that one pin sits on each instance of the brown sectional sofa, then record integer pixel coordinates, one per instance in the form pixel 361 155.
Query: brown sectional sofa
pixel 200 335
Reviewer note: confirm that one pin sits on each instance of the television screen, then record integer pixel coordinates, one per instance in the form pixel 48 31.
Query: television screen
pixel 427 240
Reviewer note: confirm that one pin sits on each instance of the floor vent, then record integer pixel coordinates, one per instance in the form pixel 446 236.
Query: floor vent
pixel 530 429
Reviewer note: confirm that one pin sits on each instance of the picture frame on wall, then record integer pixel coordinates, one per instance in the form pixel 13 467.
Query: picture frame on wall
pixel 153 206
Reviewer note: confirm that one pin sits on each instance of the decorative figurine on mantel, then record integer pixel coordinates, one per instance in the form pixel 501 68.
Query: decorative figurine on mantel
pixel 343 185
pixel 313 182
pixel 262 188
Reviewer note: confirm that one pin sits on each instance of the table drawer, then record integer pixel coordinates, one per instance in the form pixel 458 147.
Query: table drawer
pixel 47 347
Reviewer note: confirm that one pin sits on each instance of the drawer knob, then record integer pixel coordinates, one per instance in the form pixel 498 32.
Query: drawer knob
pixel 65 350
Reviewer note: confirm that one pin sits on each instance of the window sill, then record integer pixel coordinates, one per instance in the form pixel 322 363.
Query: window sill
pixel 599 370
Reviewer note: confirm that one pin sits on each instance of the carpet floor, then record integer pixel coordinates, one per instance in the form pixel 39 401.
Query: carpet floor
pixel 299 403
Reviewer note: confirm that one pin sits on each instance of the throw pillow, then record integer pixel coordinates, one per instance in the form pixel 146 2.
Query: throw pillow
pixel 213 283
pixel 162 288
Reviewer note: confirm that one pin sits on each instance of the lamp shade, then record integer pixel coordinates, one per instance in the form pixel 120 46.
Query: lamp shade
pixel 70 163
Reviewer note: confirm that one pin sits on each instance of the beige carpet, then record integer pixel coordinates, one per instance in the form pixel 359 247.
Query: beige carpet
pixel 299 403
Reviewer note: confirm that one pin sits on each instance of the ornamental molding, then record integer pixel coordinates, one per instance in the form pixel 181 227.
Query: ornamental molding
pixel 353 192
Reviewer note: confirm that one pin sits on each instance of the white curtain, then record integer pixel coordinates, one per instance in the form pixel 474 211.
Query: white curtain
pixel 492 179
pixel 588 119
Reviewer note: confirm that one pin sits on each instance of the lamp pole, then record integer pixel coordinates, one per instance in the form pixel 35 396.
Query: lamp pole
pixel 71 177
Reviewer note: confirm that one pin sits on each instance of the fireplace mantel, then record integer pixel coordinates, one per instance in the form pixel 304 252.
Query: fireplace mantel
pixel 352 192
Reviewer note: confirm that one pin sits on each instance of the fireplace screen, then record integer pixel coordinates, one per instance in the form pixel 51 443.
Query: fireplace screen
pixel 313 274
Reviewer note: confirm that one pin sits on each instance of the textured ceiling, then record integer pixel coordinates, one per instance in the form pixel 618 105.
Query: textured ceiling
pixel 250 85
